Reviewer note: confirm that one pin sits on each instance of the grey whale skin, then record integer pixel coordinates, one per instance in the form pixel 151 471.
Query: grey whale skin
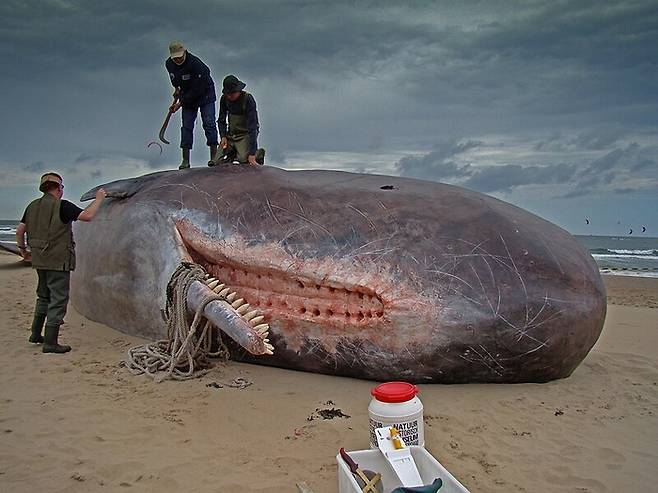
pixel 368 276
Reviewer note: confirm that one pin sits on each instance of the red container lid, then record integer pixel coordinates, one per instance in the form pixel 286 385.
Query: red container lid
pixel 394 392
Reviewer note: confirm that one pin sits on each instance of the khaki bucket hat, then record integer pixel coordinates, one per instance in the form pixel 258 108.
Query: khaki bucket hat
pixel 176 49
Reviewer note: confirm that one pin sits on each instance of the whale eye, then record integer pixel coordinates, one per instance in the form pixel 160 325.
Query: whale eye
pixel 388 187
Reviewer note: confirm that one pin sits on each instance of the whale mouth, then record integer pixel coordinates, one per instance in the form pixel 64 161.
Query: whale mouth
pixel 285 289
pixel 280 295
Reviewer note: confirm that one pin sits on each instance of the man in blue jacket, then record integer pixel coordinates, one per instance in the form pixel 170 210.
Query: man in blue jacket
pixel 194 91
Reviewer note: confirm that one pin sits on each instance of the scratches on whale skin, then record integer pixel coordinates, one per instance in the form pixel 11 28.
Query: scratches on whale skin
pixel 483 358
pixel 363 214
pixel 306 219
pixel 380 252
pixel 486 291
pixel 443 273
pixel 518 274
pixel 550 252
pixel 520 331
pixel 539 312
pixel 271 210
pixel 509 263
pixel 299 204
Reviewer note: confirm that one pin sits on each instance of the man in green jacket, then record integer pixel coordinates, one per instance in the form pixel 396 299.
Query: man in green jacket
pixel 48 223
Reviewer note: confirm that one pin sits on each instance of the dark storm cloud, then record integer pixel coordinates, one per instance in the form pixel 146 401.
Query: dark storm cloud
pixel 569 83
pixel 152 158
pixel 645 164
pixel 624 164
pixel 545 55
pixel 85 158
pixel 446 162
pixel 597 139
pixel 449 162
pixel 345 75
pixel 35 167
pixel 439 163
pixel 505 178
pixel 625 190
pixel 606 162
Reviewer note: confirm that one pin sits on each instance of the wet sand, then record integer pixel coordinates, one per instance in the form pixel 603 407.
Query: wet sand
pixel 81 423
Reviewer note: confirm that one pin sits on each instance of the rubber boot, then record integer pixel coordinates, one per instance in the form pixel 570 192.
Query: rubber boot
pixel 213 155
pixel 50 344
pixel 227 156
pixel 37 327
pixel 260 156
pixel 185 164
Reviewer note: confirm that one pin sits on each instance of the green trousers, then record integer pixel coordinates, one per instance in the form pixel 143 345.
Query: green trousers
pixel 52 295
pixel 240 144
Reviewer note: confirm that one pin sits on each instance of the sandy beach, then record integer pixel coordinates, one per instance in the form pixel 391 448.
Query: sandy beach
pixel 81 423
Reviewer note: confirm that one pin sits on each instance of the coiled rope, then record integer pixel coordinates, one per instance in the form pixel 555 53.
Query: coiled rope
pixel 185 352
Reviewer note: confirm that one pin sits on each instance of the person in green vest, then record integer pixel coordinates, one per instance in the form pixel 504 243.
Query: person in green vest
pixel 239 140
pixel 48 223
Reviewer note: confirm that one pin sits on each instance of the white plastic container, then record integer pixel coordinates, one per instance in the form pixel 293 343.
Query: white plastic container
pixel 428 467
pixel 396 404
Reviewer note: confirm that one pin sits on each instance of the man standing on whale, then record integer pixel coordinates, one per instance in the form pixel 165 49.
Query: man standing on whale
pixel 48 224
pixel 194 92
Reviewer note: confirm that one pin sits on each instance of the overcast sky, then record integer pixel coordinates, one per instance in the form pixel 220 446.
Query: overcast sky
pixel 551 105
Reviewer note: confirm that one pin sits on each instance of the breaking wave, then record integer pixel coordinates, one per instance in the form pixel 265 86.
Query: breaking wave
pixel 616 252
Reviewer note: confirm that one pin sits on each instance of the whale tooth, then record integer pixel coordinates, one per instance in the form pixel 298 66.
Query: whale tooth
pixel 256 320
pixel 224 292
pixel 262 328
pixel 269 346
pixel 266 340
pixel 209 280
pixel 213 284
pixel 267 351
pixel 217 289
pixel 250 315
pixel 243 309
pixel 231 297
pixel 237 303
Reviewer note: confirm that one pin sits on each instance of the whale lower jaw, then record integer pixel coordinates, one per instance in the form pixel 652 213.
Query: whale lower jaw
pixel 283 293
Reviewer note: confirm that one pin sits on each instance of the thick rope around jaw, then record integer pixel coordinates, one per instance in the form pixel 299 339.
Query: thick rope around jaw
pixel 183 355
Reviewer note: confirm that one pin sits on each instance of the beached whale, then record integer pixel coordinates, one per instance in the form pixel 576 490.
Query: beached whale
pixel 369 276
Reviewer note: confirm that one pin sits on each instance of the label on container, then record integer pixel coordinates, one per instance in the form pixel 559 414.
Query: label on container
pixel 410 431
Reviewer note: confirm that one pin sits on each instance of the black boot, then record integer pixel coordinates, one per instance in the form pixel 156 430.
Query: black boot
pixel 50 345
pixel 226 157
pixel 213 155
pixel 37 327
pixel 185 163
pixel 260 156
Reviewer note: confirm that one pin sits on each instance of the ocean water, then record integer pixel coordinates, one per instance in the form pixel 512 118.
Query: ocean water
pixel 8 230
pixel 622 255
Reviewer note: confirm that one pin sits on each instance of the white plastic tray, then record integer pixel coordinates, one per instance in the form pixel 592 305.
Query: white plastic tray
pixel 428 467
